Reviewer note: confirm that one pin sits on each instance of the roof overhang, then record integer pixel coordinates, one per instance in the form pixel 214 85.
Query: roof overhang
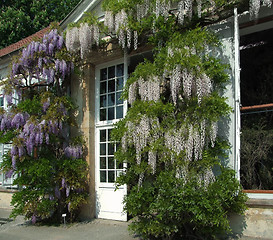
pixel 77 13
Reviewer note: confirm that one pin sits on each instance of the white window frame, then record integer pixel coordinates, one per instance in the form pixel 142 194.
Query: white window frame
pixel 107 124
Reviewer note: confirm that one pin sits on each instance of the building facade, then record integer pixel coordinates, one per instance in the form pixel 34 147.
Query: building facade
pixel 97 93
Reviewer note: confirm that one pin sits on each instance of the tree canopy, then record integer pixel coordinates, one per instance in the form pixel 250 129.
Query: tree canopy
pixel 19 19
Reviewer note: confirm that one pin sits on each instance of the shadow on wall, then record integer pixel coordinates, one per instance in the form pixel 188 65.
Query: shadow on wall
pixel 238 225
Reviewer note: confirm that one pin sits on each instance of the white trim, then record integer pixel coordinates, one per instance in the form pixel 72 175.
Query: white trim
pixel 89 6
pixel 97 93
pixel 237 94
pixel 260 195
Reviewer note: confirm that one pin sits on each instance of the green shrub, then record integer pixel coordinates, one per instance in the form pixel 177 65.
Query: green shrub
pixel 170 208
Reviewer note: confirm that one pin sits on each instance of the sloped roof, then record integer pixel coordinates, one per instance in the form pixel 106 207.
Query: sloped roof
pixel 79 10
pixel 18 45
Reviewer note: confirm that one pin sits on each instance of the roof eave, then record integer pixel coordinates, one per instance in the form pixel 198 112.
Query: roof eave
pixel 76 14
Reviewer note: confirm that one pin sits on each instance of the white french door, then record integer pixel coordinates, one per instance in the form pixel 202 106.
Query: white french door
pixel 110 108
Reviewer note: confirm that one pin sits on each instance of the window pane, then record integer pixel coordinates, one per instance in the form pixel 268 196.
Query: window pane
pixel 119 84
pixel 111 176
pixel 111 113
pixel 102 114
pixel 103 74
pixel 111 163
pixel 111 99
pixel 102 87
pixel 119 112
pixel 103 101
pixel 111 86
pixel 109 134
pixel 110 149
pixel 120 70
pixel 102 176
pixel 103 149
pixel 1 101
pixel 118 98
pixel 102 135
pixel 103 163
pixel 111 72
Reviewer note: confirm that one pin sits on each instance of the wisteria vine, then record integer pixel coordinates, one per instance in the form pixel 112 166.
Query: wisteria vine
pixel 41 63
pixel 38 127
pixel 126 27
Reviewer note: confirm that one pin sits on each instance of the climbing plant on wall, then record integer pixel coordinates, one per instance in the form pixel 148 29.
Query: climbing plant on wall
pixel 48 163
pixel 169 137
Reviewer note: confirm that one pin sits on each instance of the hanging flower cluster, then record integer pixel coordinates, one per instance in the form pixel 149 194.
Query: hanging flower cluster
pixel 39 54
pixel 35 133
pixel 142 10
pixel 73 151
pixel 254 6
pixel 123 27
pixel 191 139
pixel 147 90
pixel 119 24
pixel 139 135
pixel 38 64
pixel 10 121
pixel 200 86
pixel 82 38
pixel 206 177
pixel 192 80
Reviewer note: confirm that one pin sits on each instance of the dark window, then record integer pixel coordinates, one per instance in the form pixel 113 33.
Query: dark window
pixel 257 113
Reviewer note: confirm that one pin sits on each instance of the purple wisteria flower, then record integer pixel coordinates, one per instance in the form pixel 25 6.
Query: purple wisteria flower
pixel 14 150
pixel 51 75
pixel 33 219
pixel 18 120
pixel 6 122
pixel 9 173
pixel 60 42
pixel 57 64
pixel 8 98
pixel 73 151
pixel 50 48
pixel 21 151
pixel 46 105
pixel 40 63
pixel 67 191
pixel 13 160
pixel 37 138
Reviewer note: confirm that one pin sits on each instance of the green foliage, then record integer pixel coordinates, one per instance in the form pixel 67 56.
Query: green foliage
pixel 172 208
pixel 50 183
pixel 20 19
pixel 256 154
pixel 174 199
pixel 31 106
pixel 39 178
